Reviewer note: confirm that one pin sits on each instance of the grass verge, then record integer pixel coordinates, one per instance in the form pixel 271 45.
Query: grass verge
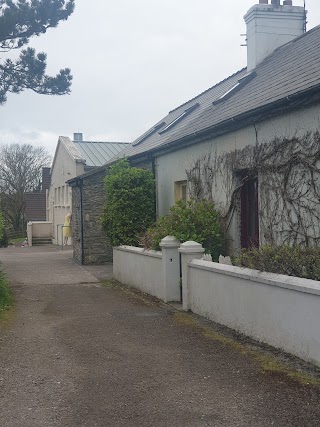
pixel 266 360
pixel 6 299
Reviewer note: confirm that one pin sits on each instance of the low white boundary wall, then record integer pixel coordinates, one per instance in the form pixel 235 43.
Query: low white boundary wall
pixel 278 310
pixel 156 273
pixel 39 229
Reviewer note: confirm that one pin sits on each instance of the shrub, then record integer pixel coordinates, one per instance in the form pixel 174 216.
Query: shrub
pixel 130 203
pixel 5 292
pixel 198 221
pixel 1 225
pixel 292 261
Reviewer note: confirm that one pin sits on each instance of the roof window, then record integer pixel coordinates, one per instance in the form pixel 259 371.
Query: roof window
pixel 149 133
pixel 180 117
pixel 235 88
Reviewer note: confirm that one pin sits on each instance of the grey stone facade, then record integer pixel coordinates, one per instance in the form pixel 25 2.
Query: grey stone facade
pixel 90 243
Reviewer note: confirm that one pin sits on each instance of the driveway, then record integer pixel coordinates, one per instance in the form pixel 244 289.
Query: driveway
pixel 76 354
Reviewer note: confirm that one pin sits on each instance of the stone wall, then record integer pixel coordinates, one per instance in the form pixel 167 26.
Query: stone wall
pixel 76 224
pixel 96 245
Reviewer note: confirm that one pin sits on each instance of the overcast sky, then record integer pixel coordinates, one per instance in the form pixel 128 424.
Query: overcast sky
pixel 132 62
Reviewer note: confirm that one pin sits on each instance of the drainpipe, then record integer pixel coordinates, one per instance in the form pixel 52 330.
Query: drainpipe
pixel 81 222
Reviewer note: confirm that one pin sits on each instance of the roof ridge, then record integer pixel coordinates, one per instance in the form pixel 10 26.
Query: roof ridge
pixel 207 90
pixel 100 142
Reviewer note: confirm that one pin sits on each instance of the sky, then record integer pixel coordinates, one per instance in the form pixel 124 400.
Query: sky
pixel 132 61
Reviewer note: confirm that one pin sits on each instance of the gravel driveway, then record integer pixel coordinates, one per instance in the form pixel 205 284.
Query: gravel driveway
pixel 75 354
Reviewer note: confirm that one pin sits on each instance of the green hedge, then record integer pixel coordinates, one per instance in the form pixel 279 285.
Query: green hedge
pixel 130 203
pixel 198 221
pixel 291 261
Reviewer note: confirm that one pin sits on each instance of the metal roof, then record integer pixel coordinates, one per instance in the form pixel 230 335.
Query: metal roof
pixel 98 153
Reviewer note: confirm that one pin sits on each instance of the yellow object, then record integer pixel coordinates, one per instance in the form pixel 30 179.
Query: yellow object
pixel 67 229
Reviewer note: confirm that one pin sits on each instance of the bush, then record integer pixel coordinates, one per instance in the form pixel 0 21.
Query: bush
pixel 198 221
pixel 5 292
pixel 292 261
pixel 130 203
pixel 4 240
pixel 1 225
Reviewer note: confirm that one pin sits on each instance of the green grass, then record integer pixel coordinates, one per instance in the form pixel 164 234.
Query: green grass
pixel 6 299
pixel 15 240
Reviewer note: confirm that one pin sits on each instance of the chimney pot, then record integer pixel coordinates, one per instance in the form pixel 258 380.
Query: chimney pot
pixel 263 1
pixel 287 2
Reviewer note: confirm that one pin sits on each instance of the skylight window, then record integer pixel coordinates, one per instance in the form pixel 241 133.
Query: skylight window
pixel 240 83
pixel 179 118
pixel 149 133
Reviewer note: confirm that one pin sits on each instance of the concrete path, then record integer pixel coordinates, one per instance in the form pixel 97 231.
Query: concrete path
pixel 77 354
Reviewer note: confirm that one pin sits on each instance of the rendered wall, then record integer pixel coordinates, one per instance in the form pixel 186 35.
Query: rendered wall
pixel 141 269
pixel 281 311
pixel 172 167
pixel 64 168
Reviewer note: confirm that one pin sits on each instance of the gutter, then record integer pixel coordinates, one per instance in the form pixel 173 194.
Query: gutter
pixel 76 182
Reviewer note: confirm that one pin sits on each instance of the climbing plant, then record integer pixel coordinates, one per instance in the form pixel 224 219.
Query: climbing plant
pixel 288 170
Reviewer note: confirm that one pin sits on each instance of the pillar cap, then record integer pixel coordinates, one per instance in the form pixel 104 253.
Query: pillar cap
pixel 191 247
pixel 170 242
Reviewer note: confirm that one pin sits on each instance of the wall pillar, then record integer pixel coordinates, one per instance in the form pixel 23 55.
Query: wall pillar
pixel 189 251
pixel 29 233
pixel 170 268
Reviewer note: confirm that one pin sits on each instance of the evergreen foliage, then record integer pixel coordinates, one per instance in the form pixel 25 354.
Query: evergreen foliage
pixel 195 220
pixel 294 261
pixel 19 21
pixel 130 203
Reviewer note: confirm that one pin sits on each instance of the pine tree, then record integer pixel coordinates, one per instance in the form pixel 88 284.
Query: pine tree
pixel 21 20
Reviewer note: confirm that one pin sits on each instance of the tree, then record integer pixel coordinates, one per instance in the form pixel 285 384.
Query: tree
pixel 130 203
pixel 20 173
pixel 21 20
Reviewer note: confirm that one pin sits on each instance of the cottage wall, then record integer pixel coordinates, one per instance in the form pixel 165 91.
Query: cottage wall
pixel 171 168
pixel 96 245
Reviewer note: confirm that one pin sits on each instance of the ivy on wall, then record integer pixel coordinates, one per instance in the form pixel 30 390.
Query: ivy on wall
pixel 288 172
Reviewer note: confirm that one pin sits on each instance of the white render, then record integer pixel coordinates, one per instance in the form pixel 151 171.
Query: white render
pixel 67 164
pixel 172 167
pixel 153 272
pixel 269 27
pixel 279 310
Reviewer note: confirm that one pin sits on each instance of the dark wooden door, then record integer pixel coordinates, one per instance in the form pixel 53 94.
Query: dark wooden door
pixel 249 214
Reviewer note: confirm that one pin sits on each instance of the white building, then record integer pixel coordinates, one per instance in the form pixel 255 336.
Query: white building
pixel 71 159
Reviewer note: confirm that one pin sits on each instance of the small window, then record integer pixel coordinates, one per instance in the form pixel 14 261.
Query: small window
pixel 240 83
pixel 180 191
pixel 67 194
pixel 62 195
pixel 179 118
pixel 55 196
pixel 59 195
pixel 149 133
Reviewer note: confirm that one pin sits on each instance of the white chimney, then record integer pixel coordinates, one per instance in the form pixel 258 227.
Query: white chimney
pixel 270 26
pixel 78 137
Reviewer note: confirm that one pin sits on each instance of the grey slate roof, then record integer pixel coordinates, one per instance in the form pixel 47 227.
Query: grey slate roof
pixel 204 99
pixel 98 153
pixel 289 70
